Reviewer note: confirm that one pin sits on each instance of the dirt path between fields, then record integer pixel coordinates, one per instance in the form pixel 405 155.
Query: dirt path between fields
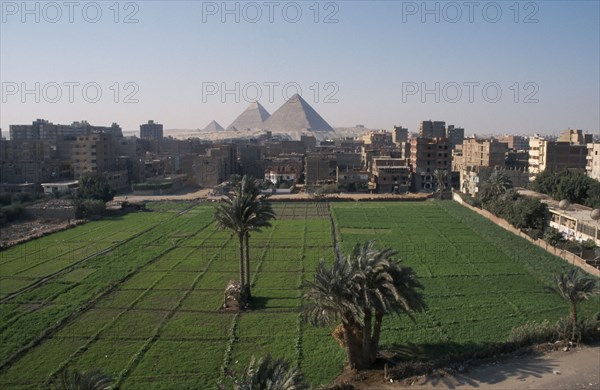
pixel 578 368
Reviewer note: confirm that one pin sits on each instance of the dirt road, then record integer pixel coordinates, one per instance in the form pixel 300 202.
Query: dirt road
pixel 572 370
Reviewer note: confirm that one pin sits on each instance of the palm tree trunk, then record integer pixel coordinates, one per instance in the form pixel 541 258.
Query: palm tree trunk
pixel 350 346
pixel 376 335
pixel 573 317
pixel 248 294
pixel 366 341
pixel 242 284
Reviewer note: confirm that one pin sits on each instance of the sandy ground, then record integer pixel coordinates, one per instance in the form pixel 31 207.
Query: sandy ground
pixel 578 368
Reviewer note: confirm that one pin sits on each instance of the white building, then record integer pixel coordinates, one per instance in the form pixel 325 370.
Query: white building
pixel 593 160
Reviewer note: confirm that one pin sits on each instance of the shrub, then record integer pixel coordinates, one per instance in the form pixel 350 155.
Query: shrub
pixel 585 330
pixel 10 213
pixel 5 199
pixel 89 208
pixel 533 333
pixel 553 237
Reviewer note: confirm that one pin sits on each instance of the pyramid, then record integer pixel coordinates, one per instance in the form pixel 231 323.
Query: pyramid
pixel 213 126
pixel 252 118
pixel 296 115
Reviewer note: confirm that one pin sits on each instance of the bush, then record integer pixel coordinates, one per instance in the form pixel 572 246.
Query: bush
pixel 533 333
pixel 5 199
pixel 11 213
pixel 21 197
pixel 585 330
pixel 89 208
pixel 553 237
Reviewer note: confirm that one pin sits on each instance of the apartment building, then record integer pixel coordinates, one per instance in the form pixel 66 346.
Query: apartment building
pixel 481 153
pixel 427 155
pixel 593 160
pixel 568 152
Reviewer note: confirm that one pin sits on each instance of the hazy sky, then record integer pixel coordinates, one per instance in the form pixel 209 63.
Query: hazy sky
pixel 503 66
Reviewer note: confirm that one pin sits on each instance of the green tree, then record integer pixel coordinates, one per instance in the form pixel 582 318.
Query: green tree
pixel 75 380
pixel 574 287
pixel 94 186
pixel 496 185
pixel 243 210
pixel 529 213
pixel 359 290
pixel 268 374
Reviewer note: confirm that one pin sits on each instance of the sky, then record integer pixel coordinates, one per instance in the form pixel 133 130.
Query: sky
pixel 519 67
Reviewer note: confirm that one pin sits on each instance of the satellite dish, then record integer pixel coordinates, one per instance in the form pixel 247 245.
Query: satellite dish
pixel 564 204
pixel 595 214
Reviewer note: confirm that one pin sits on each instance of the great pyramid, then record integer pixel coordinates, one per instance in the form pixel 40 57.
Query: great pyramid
pixel 253 117
pixel 213 126
pixel 296 115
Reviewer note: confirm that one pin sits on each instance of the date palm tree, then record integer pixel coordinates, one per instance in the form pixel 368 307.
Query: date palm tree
pixel 575 287
pixel 268 374
pixel 89 380
pixel 242 210
pixel 359 290
pixel 497 184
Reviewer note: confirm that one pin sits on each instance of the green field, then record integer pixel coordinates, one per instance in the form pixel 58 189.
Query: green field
pixel 138 296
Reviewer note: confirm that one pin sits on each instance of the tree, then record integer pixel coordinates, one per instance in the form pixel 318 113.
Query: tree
pixel 268 374
pixel 75 380
pixel 94 186
pixel 244 209
pixel 497 184
pixel 441 175
pixel 575 287
pixel 359 290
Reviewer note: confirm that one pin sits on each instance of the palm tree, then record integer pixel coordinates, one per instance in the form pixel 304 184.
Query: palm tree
pixel 441 175
pixel 75 380
pixel 269 374
pixel 359 290
pixel 575 287
pixel 243 210
pixel 497 184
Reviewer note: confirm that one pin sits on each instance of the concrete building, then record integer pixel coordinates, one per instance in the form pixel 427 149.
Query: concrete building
pixel 576 137
pixel 399 135
pixel 352 180
pixel 556 155
pixel 320 168
pixel 251 160
pixel 515 142
pixel 151 131
pixel 283 168
pixel 44 130
pixel 435 129
pixel 427 155
pixel 87 153
pixel 593 160
pixel 473 177
pixel 393 179
pixel 377 138
pixel 481 153
pixel 575 223
pixel 456 135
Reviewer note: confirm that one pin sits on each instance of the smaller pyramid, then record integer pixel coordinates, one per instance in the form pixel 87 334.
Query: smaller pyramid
pixel 213 126
pixel 253 117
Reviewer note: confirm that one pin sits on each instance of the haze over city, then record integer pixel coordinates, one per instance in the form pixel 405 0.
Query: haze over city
pixel 492 67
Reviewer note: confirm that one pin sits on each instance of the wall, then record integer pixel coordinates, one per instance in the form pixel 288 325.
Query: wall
pixel 567 256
